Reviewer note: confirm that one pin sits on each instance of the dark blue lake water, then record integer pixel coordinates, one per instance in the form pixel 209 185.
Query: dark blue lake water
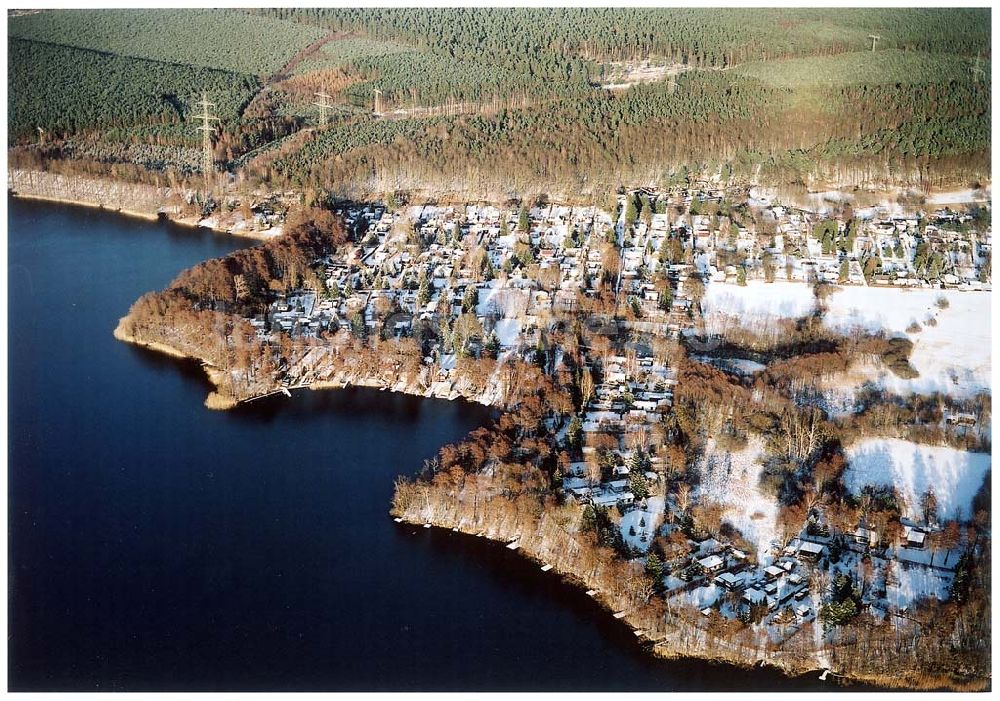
pixel 157 545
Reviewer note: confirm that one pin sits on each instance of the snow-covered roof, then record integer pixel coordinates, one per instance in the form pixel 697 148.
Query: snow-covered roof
pixel 710 562
pixel 710 545
pixel 730 579
pixel 810 547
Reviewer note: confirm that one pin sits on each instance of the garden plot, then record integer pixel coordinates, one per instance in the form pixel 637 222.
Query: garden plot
pixel 703 596
pixel 905 584
pixel 505 302
pixel 642 522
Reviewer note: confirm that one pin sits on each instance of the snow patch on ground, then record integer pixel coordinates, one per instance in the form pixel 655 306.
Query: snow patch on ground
pixel 955 475
pixel 703 596
pixel 732 480
pixel 959 196
pixel 271 233
pixel 907 583
pixel 448 362
pixel 952 357
pixel 505 302
pixel 740 366
pixel 507 331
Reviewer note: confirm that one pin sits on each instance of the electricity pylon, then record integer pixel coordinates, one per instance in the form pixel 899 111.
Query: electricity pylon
pixel 206 129
pixel 324 107
pixel 874 38
pixel 977 69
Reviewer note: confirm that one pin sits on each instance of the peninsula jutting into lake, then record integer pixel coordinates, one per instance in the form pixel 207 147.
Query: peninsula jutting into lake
pixel 730 323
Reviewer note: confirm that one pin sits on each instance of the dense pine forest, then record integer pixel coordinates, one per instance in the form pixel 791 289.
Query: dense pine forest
pixel 559 41
pixel 514 99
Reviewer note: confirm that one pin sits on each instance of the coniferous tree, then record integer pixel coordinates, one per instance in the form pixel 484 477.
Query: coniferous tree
pixel 574 434
pixel 523 220
pixel 654 566
pixel 631 213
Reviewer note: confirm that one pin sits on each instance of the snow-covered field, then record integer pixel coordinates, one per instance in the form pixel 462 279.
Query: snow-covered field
pixel 757 302
pixel 959 196
pixel 952 356
pixel 703 596
pixel 732 479
pixel 955 475
pixel 740 366
pixel 506 302
pixel 507 331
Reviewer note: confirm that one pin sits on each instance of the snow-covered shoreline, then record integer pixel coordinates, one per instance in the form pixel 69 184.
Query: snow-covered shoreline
pixel 109 195
pixel 220 401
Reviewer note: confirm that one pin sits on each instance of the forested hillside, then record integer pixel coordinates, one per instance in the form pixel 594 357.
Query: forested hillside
pixel 559 40
pixel 71 90
pixel 518 99
pixel 78 70
pixel 228 40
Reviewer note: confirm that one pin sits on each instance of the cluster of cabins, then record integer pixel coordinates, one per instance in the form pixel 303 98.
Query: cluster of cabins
pixel 796 251
pixel 556 247
pixel 633 389
pixel 417 264
pixel 633 393
pixel 610 493
pixel 719 578
pixel 710 569
pixel 560 255
pixel 300 313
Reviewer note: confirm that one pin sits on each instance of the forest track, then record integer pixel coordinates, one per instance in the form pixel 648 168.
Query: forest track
pixel 288 69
